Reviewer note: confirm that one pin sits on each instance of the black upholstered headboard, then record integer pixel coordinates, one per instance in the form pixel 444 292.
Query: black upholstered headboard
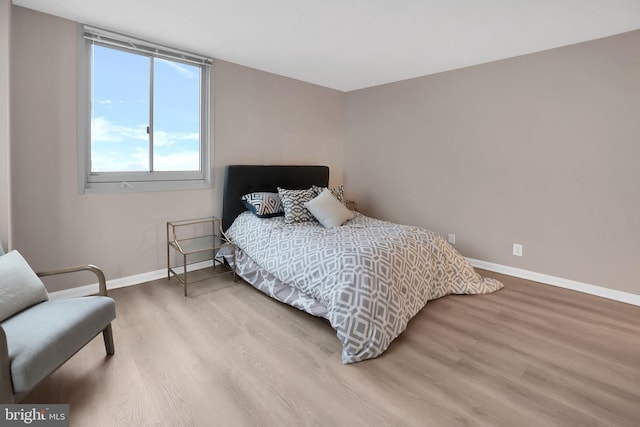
pixel 243 179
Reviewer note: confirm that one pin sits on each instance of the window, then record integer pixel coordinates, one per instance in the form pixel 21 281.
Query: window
pixel 143 114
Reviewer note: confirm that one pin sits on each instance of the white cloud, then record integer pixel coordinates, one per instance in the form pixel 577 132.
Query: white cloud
pixel 102 130
pixel 186 72
pixel 139 161
pixel 163 139
pixel 113 158
pixel 116 162
pixel 185 161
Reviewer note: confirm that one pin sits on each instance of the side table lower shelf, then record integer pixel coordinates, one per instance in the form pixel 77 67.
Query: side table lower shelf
pixel 186 248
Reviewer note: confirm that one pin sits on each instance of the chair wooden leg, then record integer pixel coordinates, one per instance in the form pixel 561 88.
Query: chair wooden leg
pixel 108 340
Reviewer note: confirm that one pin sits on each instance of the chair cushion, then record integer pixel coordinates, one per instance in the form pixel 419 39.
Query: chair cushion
pixel 20 287
pixel 43 337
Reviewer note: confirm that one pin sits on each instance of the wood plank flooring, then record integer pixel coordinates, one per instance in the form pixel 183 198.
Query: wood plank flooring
pixel 528 355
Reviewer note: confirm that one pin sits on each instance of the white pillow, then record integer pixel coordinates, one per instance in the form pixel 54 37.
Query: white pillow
pixel 328 210
pixel 20 287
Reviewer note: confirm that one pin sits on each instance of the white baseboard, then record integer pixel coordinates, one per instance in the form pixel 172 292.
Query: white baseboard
pixel 136 279
pixel 612 294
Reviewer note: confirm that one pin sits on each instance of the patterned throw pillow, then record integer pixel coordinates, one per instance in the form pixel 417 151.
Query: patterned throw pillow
pixel 263 205
pixel 338 192
pixel 293 202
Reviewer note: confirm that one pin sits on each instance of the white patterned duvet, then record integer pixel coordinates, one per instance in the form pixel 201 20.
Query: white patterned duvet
pixel 368 277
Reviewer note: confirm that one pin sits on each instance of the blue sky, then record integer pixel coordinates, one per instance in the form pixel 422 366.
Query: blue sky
pixel 120 114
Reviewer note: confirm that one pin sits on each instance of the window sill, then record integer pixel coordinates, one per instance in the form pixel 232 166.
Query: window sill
pixel 143 186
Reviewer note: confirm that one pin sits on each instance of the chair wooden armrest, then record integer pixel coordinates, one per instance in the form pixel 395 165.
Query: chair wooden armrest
pixel 102 290
pixel 101 280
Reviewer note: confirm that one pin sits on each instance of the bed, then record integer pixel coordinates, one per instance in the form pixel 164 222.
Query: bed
pixel 367 277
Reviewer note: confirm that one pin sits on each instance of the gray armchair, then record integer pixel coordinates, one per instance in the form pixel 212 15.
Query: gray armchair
pixel 38 335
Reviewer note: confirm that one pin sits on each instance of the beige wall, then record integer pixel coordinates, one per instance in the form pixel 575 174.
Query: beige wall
pixel 540 150
pixel 259 118
pixel 5 33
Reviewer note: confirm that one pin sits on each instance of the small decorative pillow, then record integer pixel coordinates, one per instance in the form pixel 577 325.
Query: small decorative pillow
pixel 293 202
pixel 20 287
pixel 263 204
pixel 328 210
pixel 338 192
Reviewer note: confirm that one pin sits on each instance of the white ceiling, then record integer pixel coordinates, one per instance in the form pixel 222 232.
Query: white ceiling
pixel 353 44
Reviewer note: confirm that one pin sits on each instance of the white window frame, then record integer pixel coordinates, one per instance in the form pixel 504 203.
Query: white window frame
pixel 118 182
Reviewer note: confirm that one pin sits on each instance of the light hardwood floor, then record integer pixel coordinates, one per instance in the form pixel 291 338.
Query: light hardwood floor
pixel 528 355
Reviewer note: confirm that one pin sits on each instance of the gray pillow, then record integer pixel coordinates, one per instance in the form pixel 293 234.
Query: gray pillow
pixel 337 192
pixel 20 287
pixel 293 202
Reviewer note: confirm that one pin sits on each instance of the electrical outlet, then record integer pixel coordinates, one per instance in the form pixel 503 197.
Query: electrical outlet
pixel 452 238
pixel 517 249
